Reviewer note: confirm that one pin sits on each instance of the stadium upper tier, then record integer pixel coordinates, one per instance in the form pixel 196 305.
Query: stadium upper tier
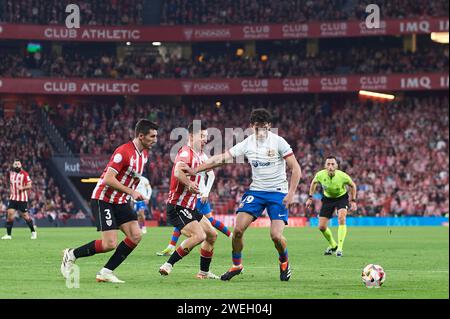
pixel 196 12
pixel 392 150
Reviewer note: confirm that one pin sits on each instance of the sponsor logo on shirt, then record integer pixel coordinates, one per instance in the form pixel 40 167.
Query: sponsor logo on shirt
pixel 260 164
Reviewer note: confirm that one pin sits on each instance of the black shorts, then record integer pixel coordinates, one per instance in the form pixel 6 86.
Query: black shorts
pixel 180 216
pixel 22 206
pixel 329 205
pixel 111 216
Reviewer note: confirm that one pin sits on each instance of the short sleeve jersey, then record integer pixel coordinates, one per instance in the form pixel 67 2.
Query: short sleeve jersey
pixel 333 187
pixel 268 161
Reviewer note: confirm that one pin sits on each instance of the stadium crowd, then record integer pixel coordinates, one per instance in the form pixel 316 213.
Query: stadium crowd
pixel 175 12
pixel 358 60
pixel 285 11
pixel 22 138
pixel 397 152
pixel 97 12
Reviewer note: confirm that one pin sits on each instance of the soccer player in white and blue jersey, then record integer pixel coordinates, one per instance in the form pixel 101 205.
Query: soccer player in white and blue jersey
pixel 140 207
pixel 268 154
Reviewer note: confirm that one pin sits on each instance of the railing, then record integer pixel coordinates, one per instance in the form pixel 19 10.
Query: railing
pixel 59 146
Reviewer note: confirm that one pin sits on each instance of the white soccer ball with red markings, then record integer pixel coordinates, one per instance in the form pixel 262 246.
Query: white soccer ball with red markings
pixel 373 276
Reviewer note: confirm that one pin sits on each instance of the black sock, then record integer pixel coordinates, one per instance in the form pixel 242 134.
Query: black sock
pixel 205 259
pixel 30 224
pixel 9 226
pixel 177 255
pixel 122 251
pixel 204 263
pixel 85 250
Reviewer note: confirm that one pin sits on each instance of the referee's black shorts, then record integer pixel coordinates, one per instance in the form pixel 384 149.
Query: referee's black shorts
pixel 330 205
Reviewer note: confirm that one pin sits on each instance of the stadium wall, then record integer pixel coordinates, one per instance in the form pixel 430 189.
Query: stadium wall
pixel 229 220
pixel 387 221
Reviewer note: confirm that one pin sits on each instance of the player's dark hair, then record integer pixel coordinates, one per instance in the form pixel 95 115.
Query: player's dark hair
pixel 192 129
pixel 332 157
pixel 260 116
pixel 144 126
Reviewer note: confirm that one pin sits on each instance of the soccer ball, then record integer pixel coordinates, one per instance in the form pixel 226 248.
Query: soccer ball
pixel 373 276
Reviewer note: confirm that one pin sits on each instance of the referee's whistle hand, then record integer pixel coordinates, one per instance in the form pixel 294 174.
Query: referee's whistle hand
pixel 308 203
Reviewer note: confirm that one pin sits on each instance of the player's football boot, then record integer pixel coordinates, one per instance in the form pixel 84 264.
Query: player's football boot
pixel 233 271
pixel 166 252
pixel 108 276
pixel 330 250
pixel 6 237
pixel 231 235
pixel 206 275
pixel 67 262
pixel 339 253
pixel 144 230
pixel 165 269
pixel 285 271
pixel 34 235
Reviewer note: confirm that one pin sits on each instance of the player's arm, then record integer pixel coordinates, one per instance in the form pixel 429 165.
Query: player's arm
pixel 312 190
pixel 180 175
pixel 27 186
pixel 294 166
pixel 148 196
pixel 214 161
pixel 111 180
pixel 353 191
pixel 208 187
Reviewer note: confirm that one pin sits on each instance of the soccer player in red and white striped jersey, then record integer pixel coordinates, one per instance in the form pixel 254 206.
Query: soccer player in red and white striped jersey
pixel 20 183
pixel 110 207
pixel 181 211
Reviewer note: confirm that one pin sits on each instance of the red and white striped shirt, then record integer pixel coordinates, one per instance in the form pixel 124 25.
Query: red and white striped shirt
pixel 129 164
pixel 178 193
pixel 17 180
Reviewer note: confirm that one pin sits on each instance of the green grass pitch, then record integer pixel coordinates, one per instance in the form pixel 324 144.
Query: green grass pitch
pixel 415 260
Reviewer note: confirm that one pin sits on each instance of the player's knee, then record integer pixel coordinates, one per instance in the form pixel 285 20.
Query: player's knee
pixel 211 237
pixel 238 232
pixel 136 238
pixel 276 237
pixel 341 219
pixel 322 228
pixel 109 244
pixel 199 237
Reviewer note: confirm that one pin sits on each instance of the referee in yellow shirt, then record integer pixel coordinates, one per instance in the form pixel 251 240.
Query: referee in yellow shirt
pixel 335 198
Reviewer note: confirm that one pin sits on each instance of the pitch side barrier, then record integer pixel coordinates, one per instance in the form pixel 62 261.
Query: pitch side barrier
pixel 388 221
pixel 229 219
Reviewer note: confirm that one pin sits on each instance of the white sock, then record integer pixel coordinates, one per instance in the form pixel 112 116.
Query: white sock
pixel 72 256
pixel 170 246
